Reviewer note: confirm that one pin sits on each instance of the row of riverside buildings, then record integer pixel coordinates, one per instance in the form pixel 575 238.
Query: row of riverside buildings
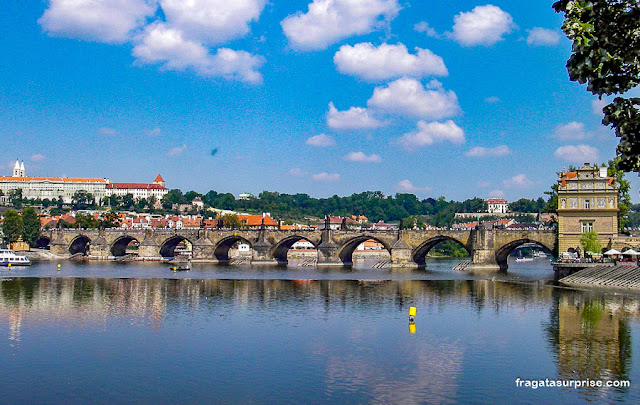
pixel 53 188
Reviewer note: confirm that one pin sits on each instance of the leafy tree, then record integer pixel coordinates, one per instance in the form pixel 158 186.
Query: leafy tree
pixel 109 220
pixel 12 227
pixel 590 242
pixel 86 221
pixel 31 226
pixel 624 200
pixel 606 40
pixel 82 200
pixel 229 221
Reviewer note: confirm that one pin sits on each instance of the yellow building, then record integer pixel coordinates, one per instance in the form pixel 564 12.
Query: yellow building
pixel 587 201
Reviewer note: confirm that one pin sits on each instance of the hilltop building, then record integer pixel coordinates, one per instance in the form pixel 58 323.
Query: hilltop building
pixel 156 189
pixel 587 201
pixel 51 188
pixel 497 206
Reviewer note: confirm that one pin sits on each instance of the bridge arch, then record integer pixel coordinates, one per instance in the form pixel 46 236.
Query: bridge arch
pixel 419 254
pixel 119 246
pixel 221 251
pixel 345 253
pixel 79 244
pixel 168 246
pixel 502 254
pixel 280 250
pixel 42 242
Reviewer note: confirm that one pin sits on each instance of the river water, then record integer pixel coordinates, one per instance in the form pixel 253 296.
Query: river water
pixel 104 332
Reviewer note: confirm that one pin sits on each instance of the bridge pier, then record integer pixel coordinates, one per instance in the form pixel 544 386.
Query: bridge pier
pixel 149 248
pixel 203 250
pixel 483 254
pixel 402 254
pixel 262 252
pixel 99 248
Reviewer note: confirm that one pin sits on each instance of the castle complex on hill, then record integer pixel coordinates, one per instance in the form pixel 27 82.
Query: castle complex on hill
pixel 53 188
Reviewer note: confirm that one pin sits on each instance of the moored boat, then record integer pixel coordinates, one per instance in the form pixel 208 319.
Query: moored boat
pixel 8 256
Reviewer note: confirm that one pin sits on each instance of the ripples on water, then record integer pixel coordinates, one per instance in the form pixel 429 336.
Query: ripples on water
pixel 106 332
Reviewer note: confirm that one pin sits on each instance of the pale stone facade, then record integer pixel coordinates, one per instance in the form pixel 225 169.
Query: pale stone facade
pixel 51 187
pixel 587 200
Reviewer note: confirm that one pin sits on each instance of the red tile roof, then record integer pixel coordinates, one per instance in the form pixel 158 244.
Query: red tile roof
pixel 158 178
pixel 139 186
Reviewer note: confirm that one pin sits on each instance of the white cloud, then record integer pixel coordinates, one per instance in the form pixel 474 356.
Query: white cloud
pixel 406 186
pixel 597 105
pixel 386 61
pixel 353 118
pixel 38 158
pixel 361 157
pixel 577 153
pixel 484 25
pixel 110 21
pixel 297 172
pixel 326 177
pixel 496 194
pixel 542 36
pixel 518 181
pixel 571 131
pixel 177 150
pixel 429 133
pixel 424 27
pixel 321 141
pixel 153 132
pixel 479 151
pixel 107 131
pixel 492 100
pixel 212 21
pixel 161 44
pixel 329 21
pixel 408 97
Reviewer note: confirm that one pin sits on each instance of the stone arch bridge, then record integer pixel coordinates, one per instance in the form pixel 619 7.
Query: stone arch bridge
pixel 407 248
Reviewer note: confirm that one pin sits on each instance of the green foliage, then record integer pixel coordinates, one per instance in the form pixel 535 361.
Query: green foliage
pixel 590 242
pixel 109 220
pixel 229 221
pixel 82 200
pixel 606 40
pixel 449 248
pixel 528 206
pixel 31 226
pixel 624 199
pixel 12 227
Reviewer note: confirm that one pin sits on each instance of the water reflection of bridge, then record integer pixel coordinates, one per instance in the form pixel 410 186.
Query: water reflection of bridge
pixel 407 248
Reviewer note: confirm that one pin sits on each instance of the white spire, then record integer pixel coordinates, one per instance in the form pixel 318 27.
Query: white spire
pixel 22 171
pixel 16 169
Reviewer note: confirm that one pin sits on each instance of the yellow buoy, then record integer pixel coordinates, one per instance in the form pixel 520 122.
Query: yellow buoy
pixel 8 264
pixel 412 327
pixel 58 267
pixel 413 311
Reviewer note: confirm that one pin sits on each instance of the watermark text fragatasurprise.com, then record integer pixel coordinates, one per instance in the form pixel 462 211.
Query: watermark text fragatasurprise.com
pixel 558 383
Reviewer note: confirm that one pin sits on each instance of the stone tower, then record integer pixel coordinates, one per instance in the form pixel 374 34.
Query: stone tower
pixel 587 201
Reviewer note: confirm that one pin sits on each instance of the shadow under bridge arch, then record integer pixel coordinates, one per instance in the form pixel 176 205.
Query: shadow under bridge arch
pixel 221 251
pixel 119 246
pixel 79 244
pixel 346 251
pixel 420 253
pixel 280 250
pixel 168 247
pixel 503 253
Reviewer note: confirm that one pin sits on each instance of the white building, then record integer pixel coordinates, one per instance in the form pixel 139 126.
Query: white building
pixel 497 206
pixel 156 189
pixel 51 188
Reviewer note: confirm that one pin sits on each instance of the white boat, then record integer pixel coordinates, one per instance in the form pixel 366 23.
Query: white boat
pixel 8 256
pixel 524 259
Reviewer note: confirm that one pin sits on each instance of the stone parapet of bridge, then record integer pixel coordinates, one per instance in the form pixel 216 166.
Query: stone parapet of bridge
pixel 407 248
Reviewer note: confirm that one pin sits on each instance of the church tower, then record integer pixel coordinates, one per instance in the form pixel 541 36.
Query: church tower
pixel 16 169
pixel 22 171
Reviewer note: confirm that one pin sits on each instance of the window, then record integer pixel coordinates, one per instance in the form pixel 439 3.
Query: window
pixel 587 227
pixel 587 204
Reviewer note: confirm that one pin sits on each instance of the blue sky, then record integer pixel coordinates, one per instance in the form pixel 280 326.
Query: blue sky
pixel 455 99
